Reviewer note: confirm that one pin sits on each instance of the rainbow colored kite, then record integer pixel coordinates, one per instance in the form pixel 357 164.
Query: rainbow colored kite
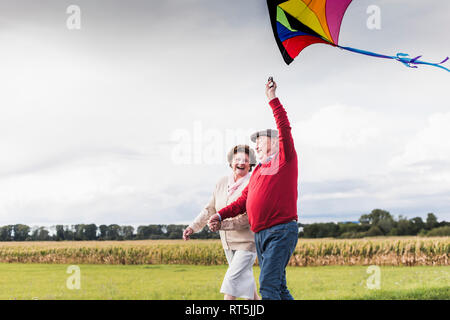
pixel 298 24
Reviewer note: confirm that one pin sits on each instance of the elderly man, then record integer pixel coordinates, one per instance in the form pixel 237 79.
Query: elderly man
pixel 270 200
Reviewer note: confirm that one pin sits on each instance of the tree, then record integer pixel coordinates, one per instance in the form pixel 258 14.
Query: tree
pixel 79 232
pixel 157 231
pixel 311 230
pixel 352 230
pixel 386 225
pixel 113 232
pixel 143 232
pixel 103 229
pixel 403 226
pixel 153 231
pixel 374 231
pixel 321 230
pixel 416 224
pixel 21 232
pixel 431 221
pixel 380 218
pixel 90 231
pixel 69 233
pixel 59 236
pixel 6 233
pixel 394 232
pixel 439 232
pixel 375 217
pixel 40 234
pixel 174 231
pixel 348 227
pixel 127 232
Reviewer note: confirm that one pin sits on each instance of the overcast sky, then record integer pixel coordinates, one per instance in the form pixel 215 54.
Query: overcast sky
pixel 128 119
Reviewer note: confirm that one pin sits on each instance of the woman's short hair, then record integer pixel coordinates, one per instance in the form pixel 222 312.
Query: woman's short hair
pixel 242 148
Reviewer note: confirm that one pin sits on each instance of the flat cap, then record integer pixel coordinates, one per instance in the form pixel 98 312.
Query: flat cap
pixel 271 133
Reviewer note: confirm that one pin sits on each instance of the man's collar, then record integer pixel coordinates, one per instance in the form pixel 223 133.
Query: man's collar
pixel 268 159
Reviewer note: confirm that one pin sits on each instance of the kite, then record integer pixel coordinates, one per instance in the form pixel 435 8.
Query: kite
pixel 298 24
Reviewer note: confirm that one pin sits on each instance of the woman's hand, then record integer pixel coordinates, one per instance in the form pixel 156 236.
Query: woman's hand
pixel 187 233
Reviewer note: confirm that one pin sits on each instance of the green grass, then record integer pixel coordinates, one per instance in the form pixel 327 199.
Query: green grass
pixel 178 282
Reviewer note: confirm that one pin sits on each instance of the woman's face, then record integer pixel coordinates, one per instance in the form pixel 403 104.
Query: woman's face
pixel 240 164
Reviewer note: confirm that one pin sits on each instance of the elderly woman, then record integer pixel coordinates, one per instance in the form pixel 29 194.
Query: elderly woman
pixel 237 238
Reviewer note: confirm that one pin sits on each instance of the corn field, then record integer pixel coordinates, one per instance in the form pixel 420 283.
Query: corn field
pixel 411 251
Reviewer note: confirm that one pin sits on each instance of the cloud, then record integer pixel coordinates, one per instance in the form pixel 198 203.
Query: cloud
pixel 429 147
pixel 338 127
pixel 353 160
pixel 341 142
pixel 422 168
pixel 87 117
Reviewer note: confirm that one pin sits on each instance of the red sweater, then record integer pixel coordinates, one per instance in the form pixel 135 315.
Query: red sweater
pixel 270 197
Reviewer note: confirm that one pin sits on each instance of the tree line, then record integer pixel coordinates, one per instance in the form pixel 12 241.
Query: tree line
pixel 377 223
pixel 80 232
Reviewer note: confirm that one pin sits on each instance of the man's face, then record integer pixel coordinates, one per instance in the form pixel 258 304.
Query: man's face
pixel 263 147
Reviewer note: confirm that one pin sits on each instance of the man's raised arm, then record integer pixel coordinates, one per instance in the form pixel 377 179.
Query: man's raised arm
pixel 286 142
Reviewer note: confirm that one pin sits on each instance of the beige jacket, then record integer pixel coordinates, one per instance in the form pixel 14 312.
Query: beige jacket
pixel 235 232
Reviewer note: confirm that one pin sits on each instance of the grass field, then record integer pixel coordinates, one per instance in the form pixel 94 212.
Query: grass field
pixel 410 268
pixel 179 282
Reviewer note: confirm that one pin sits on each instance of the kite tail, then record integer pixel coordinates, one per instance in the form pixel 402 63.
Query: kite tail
pixel 401 57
